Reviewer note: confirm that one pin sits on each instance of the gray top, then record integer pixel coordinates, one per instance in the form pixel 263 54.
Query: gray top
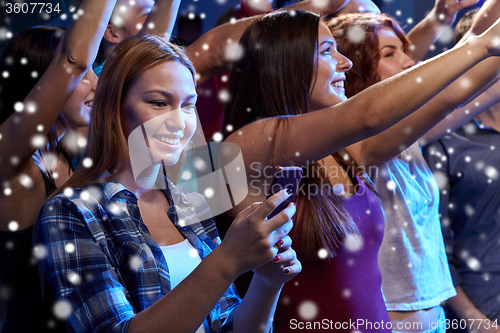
pixel 412 258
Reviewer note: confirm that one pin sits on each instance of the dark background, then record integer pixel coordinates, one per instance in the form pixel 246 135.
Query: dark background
pixel 408 13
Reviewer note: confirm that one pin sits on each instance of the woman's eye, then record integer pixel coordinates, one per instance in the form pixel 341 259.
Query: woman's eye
pixel 158 103
pixel 188 108
pixel 327 52
pixel 389 55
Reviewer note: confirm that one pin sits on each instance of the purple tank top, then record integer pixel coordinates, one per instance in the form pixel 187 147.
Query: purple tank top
pixel 343 293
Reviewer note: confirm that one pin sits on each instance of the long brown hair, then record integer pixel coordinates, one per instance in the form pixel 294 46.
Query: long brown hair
pixel 364 55
pixel 274 78
pixel 107 145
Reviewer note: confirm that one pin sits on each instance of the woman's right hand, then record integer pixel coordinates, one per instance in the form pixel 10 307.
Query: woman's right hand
pixel 250 240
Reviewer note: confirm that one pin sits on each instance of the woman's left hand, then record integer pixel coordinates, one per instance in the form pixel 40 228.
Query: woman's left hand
pixel 281 268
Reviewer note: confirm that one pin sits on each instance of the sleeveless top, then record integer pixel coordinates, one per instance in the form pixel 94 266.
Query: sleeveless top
pixel 341 293
pixel 412 257
pixel 29 308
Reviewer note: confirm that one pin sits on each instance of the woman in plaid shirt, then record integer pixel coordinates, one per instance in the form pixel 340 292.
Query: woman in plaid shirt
pixel 105 244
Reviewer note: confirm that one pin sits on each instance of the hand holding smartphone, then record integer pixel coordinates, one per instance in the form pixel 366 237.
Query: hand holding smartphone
pixel 284 178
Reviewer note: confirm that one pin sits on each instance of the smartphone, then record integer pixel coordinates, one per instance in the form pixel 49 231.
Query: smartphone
pixel 284 177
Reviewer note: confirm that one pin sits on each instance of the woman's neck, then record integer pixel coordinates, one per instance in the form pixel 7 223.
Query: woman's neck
pixel 143 184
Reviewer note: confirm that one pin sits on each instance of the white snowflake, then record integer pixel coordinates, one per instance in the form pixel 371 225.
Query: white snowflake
pixel 308 310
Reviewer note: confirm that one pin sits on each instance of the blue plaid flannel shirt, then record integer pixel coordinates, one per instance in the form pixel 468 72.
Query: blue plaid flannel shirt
pixel 98 255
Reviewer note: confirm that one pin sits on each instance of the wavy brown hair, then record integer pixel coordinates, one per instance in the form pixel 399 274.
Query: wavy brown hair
pixel 364 55
pixel 274 78
pixel 107 144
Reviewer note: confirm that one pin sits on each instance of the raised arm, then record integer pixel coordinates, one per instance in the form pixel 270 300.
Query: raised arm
pixel 161 19
pixel 76 53
pixel 427 31
pixel 312 136
pixel 380 148
pixel 211 54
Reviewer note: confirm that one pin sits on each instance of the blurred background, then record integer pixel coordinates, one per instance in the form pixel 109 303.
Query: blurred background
pixel 198 16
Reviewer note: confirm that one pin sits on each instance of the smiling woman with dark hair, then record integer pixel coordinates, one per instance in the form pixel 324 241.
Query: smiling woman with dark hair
pixel 288 107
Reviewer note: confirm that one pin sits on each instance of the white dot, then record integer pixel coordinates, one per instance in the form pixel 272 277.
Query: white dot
pixel 5 74
pixel 391 185
pixel 26 181
pixel 205 47
pixel 34 74
pixel 23 61
pixel 202 16
pixel 193 253
pixel 308 310
pixel 297 153
pixel 7 191
pixel 322 253
pixel 419 80
pixel 38 141
pixel 19 106
pixel 491 172
pixel 224 78
pixel 398 13
pixel 353 242
pixel 151 25
pixel 441 16
pixel 473 263
pixel 64 17
pixel 409 20
pixel 14 160
pixel 432 47
pixel 81 142
pixel 68 191
pixel 39 251
pixel 13 226
pixel 191 16
pixel 138 26
pixel 87 162
pixel 346 293
pixel 209 193
pixel 186 175
pixel 70 247
pixel 39 128
pixel 451 150
pixel 356 34
pixel 249 109
pixel 74 278
pixel 80 12
pixel 85 195
pixel 62 309
pixel 467 159
pixel 217 137
pixel 229 128
pixel 224 96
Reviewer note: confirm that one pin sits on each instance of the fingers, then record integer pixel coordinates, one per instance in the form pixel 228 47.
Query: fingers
pixel 269 205
pixel 283 244
pixel 288 261
pixel 282 218
pixel 248 211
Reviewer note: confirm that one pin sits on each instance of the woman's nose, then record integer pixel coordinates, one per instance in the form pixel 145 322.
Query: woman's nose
pixel 343 63
pixel 175 121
